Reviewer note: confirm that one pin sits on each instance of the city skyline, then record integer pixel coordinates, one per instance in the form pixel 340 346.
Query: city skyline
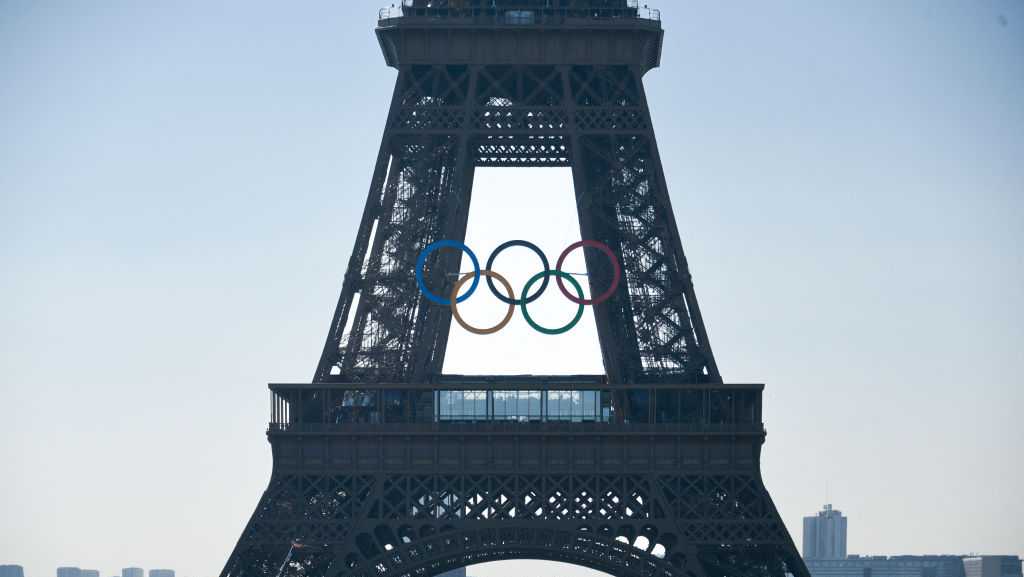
pixel 825 553
pixel 75 571
pixel 829 523
pixel 179 185
pixel 833 526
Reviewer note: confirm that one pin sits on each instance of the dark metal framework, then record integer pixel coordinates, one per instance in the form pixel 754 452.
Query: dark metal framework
pixel 385 467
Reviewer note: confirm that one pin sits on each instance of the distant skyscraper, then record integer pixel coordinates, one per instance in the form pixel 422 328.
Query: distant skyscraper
pixel 12 571
pixel 825 535
pixel 992 566
pixel 69 572
pixel 161 573
pixel 89 573
pixel 133 572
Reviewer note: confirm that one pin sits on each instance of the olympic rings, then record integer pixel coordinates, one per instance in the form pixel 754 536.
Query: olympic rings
pixel 454 300
pixel 616 274
pixel 490 266
pixel 422 262
pixel 511 303
pixel 579 313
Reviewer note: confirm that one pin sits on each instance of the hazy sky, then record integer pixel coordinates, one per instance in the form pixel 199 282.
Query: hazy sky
pixel 179 187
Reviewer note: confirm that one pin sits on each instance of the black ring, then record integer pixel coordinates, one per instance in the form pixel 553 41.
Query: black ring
pixel 543 259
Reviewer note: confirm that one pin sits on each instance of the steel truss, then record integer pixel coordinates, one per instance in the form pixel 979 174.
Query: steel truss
pixel 646 490
pixel 445 121
pixel 397 523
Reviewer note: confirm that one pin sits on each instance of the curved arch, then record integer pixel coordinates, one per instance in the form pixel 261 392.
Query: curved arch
pixel 462 547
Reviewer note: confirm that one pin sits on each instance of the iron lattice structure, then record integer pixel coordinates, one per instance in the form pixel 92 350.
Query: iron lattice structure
pixel 385 467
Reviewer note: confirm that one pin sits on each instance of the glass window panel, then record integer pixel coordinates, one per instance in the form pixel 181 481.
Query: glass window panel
pixel 479 405
pixel 746 407
pixel 394 406
pixel 312 407
pixel 720 405
pixel 535 405
pixel 502 408
pixel 607 411
pixel 590 410
pixel 692 410
pixel 423 406
pixel 667 403
pixel 446 405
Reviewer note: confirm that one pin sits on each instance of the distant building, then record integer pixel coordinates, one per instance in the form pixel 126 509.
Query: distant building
pixel 89 573
pixel 12 571
pixel 133 572
pixel 69 572
pixel 825 535
pixel 161 573
pixel 992 566
pixel 825 556
pixel 899 566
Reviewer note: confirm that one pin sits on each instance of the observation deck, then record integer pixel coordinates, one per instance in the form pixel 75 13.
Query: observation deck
pixel 518 405
pixel 517 425
pixel 521 32
pixel 521 12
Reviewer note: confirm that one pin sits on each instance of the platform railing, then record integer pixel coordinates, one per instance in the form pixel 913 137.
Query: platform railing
pixel 524 14
pixel 684 408
pixel 499 427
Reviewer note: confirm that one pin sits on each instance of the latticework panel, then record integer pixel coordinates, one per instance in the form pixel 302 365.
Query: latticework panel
pixel 379 343
pixel 652 330
pixel 447 119
pixel 523 151
pixel 444 121
pixel 630 214
pixel 638 524
pixel 528 497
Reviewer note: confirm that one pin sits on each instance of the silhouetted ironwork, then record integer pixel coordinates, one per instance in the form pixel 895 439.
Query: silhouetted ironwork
pixel 384 466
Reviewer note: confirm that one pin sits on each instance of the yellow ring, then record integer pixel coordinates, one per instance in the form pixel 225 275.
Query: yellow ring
pixel 455 305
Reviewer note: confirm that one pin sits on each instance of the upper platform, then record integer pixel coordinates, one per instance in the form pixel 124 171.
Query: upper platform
pixel 523 404
pixel 528 32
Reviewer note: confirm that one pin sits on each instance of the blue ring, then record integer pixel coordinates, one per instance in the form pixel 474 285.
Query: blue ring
pixel 422 263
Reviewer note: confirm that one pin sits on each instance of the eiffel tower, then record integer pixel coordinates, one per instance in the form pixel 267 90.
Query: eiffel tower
pixel 386 467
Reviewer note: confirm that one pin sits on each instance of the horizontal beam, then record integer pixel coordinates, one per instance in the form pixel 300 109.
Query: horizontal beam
pixel 412 41
pixel 517 429
pixel 512 384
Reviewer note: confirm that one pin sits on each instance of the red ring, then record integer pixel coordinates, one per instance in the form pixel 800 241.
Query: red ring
pixel 616 279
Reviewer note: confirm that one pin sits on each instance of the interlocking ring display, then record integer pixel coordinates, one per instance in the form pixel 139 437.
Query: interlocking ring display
pixel 509 298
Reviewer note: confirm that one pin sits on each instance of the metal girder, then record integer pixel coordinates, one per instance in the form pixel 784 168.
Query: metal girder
pixel 662 479
pixel 447 119
pixel 401 524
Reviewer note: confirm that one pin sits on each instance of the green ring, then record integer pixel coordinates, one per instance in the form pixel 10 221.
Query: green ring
pixel 579 290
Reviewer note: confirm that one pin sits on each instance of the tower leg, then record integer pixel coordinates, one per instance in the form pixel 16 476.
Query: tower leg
pixel 419 195
pixel 652 328
pixel 654 491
